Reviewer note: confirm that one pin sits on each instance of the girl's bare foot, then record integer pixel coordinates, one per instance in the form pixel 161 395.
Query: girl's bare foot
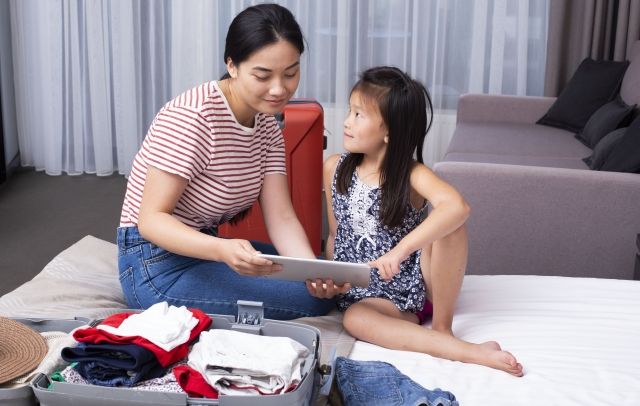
pixel 490 354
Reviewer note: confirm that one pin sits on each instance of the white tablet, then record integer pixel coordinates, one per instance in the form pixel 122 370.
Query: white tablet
pixel 298 269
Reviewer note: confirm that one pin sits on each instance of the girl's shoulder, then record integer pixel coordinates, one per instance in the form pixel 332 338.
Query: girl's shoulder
pixel 419 168
pixel 333 159
pixel 331 163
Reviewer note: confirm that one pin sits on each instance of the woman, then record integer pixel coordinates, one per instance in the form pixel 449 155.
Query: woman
pixel 208 155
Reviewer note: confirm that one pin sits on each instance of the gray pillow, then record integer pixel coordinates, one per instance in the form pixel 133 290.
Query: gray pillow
pixel 606 119
pixel 625 155
pixel 604 148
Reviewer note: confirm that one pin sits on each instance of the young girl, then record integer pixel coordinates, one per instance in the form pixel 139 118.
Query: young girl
pixel 378 195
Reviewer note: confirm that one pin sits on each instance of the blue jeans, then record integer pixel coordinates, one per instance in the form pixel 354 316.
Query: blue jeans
pixel 109 364
pixel 379 383
pixel 150 274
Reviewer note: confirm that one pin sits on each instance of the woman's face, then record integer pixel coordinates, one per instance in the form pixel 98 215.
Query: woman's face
pixel 268 78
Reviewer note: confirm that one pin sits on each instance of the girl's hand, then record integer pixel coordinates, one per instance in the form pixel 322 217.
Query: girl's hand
pixel 388 265
pixel 243 258
pixel 326 289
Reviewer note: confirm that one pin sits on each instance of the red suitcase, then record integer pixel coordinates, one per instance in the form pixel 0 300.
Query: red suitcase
pixel 304 142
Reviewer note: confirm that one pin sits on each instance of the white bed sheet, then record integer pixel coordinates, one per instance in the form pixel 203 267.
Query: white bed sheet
pixel 577 338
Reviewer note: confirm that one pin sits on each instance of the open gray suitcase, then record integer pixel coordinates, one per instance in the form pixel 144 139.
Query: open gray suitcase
pixel 250 319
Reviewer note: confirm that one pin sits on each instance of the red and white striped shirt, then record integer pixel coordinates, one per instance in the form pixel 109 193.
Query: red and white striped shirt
pixel 197 137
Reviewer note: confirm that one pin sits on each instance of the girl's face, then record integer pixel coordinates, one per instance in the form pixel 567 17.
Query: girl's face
pixel 268 78
pixel 364 128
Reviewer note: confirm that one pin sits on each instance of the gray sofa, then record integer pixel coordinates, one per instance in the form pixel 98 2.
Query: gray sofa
pixel 536 207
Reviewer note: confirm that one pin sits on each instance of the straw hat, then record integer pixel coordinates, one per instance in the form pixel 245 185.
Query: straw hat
pixel 21 349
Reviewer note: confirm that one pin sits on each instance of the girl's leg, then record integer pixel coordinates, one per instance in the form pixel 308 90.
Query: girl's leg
pixel 379 322
pixel 443 266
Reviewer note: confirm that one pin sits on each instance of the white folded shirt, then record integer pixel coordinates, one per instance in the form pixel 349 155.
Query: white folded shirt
pixel 230 359
pixel 165 326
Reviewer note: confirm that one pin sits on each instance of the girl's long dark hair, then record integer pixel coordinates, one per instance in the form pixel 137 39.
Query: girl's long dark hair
pixel 407 112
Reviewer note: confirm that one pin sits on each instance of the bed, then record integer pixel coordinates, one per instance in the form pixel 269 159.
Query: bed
pixel 578 338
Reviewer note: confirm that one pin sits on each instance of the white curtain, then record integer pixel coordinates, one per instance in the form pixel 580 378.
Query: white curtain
pixel 89 76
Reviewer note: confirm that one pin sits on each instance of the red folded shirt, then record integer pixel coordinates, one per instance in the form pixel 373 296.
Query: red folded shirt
pixel 192 382
pixel 95 335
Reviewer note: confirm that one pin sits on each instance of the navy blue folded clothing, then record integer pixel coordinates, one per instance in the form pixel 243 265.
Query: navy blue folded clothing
pixel 113 364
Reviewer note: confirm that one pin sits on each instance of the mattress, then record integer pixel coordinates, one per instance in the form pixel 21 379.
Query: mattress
pixel 577 338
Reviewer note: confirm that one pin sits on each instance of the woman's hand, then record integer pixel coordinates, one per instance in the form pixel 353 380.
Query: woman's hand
pixel 326 289
pixel 388 265
pixel 243 258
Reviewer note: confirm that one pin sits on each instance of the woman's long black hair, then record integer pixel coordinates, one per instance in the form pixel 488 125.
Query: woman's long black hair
pixel 259 26
pixel 407 112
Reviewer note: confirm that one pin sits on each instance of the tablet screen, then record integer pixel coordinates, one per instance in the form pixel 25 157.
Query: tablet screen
pixel 298 269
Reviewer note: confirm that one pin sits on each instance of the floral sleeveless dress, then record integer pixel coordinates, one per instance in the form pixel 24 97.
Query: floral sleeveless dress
pixel 361 237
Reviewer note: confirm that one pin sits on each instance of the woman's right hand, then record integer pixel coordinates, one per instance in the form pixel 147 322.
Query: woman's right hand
pixel 243 258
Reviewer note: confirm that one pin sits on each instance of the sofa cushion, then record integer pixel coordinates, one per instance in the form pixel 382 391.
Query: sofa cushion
pixel 606 119
pixel 604 148
pixel 625 156
pixel 517 139
pixel 593 84
pixel 630 88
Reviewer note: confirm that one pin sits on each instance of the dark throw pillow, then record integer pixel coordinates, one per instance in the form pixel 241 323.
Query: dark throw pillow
pixel 625 155
pixel 606 119
pixel 593 84
pixel 604 148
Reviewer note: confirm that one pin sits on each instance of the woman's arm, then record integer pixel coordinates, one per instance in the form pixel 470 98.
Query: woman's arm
pixel 283 226
pixel 328 171
pixel 326 288
pixel 450 211
pixel 156 223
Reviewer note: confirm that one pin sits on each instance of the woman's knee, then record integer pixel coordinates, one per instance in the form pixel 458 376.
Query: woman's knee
pixel 313 306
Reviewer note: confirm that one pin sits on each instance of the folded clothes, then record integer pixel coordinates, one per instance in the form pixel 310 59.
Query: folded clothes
pixel 192 382
pixel 165 383
pixel 94 335
pixel 236 363
pixel 113 364
pixel 164 325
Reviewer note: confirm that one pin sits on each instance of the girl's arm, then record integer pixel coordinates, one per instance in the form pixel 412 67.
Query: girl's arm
pixel 450 211
pixel 283 226
pixel 326 288
pixel 156 223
